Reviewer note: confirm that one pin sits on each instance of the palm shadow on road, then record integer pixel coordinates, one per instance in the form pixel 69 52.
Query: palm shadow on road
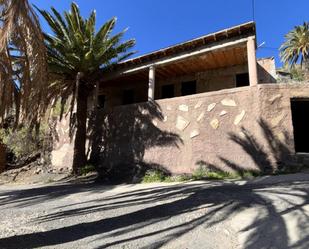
pixel 142 212
pixel 222 201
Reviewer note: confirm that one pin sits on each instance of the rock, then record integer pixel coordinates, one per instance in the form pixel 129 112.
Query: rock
pixel 165 119
pixel 38 171
pixel 154 122
pixel 228 102
pixel 275 98
pixel 181 123
pixel 183 108
pixel 169 108
pixel 194 133
pixel 276 121
pixel 223 113
pixel 214 123
pixel 198 105
pixel 211 107
pixel 239 117
pixel 200 117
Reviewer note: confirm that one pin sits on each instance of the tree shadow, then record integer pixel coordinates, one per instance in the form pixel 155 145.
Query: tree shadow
pixel 269 153
pixel 156 215
pixel 119 139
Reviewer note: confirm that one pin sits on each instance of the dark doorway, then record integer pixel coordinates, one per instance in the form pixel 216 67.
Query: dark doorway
pixel 101 101
pixel 188 88
pixel 167 91
pixel 128 97
pixel 300 117
pixel 242 79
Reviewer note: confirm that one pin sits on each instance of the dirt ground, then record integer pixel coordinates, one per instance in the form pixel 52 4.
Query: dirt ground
pixel 268 212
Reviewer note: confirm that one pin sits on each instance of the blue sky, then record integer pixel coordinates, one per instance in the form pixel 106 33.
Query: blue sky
pixel 159 23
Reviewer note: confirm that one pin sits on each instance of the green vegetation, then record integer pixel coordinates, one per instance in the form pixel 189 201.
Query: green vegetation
pixel 23 143
pixel 154 176
pixel 295 49
pixel 87 169
pixel 199 174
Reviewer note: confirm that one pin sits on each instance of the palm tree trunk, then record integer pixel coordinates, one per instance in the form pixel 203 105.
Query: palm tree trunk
pixel 306 64
pixel 79 158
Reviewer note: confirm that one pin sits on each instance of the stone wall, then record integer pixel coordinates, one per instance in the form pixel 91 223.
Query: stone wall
pixel 233 129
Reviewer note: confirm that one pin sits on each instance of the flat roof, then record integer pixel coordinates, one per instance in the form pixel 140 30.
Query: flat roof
pixel 240 31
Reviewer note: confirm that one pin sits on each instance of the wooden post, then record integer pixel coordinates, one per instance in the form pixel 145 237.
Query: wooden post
pixel 252 64
pixel 151 83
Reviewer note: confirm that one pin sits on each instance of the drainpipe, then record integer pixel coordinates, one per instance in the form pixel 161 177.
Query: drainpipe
pixel 151 83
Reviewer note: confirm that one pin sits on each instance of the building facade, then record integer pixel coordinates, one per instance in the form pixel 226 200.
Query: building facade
pixel 206 102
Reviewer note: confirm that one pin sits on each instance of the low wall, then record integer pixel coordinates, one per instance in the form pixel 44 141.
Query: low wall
pixel 235 129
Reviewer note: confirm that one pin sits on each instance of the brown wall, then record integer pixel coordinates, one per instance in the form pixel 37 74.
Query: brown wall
pixel 243 128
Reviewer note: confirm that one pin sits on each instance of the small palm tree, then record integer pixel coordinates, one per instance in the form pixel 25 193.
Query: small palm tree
pixel 76 56
pixel 296 47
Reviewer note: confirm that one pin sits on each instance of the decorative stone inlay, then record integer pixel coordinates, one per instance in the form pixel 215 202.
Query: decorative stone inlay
pixel 181 123
pixel 228 102
pixel 223 113
pixel 281 137
pixel 242 135
pixel 198 105
pixel 194 133
pixel 239 117
pixel 275 98
pixel 211 107
pixel 214 123
pixel 169 108
pixel 183 108
pixel 165 119
pixel 275 121
pixel 200 117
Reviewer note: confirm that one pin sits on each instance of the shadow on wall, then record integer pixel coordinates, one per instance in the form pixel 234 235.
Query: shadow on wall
pixel 269 156
pixel 120 139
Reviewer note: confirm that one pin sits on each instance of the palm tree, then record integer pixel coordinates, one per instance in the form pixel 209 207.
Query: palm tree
pixel 77 54
pixel 22 63
pixel 296 47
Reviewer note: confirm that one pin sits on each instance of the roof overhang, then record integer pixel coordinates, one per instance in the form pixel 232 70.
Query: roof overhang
pixel 220 49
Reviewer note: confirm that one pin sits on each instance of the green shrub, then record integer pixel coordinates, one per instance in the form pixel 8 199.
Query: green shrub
pixel 200 173
pixel 298 74
pixel 154 176
pixel 203 173
pixel 22 142
pixel 178 178
pixel 87 169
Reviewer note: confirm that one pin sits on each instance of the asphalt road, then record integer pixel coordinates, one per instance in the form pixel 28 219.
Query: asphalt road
pixel 270 212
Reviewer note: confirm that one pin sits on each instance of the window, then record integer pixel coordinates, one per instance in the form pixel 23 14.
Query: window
pixel 128 97
pixel 242 80
pixel 188 88
pixel 167 91
pixel 101 101
pixel 300 113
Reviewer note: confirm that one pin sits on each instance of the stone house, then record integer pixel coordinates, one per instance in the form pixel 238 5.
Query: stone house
pixel 205 102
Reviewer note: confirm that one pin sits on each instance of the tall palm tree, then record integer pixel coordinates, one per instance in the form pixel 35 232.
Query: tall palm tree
pixel 296 47
pixel 76 56
pixel 22 62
